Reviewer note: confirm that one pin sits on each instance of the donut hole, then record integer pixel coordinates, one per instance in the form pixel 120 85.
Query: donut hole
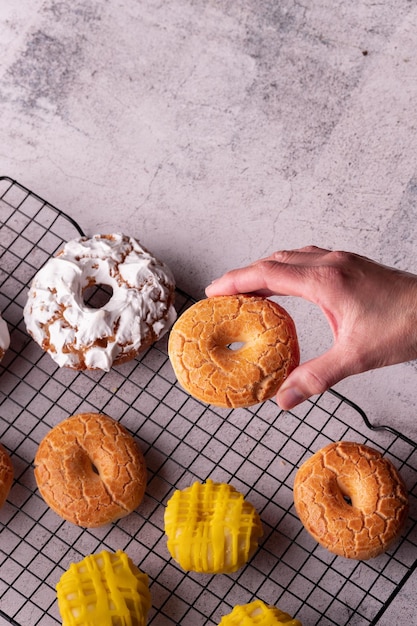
pixel 235 345
pixel 97 296
pixel 345 491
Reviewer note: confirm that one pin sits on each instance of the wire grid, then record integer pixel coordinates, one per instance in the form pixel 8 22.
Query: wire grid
pixel 257 450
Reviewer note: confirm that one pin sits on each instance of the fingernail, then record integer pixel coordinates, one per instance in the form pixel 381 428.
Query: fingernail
pixel 289 398
pixel 212 284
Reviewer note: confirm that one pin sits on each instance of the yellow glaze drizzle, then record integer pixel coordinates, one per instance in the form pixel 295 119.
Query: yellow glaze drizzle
pixel 258 613
pixel 211 528
pixel 104 589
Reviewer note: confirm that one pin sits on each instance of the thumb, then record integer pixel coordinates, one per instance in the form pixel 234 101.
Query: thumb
pixel 311 378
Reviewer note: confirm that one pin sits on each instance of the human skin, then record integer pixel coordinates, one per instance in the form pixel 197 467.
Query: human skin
pixel 371 309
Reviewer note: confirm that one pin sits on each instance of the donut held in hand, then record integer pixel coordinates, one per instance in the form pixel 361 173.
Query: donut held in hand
pixel 139 311
pixel 351 499
pixel 90 470
pixel 200 351
pixel 104 589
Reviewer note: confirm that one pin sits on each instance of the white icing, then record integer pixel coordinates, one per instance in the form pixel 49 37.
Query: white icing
pixel 139 311
pixel 4 337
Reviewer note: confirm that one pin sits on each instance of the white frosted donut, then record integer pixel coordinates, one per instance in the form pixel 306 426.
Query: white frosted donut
pixel 139 311
pixel 4 337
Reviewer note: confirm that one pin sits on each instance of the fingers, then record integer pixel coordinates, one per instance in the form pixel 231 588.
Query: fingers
pixel 273 275
pixel 245 280
pixel 267 277
pixel 312 378
pixel 309 255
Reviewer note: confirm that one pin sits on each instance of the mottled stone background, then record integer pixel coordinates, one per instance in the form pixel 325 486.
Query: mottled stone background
pixel 217 131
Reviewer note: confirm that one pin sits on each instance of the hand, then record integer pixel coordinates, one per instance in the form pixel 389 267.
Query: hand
pixel 371 309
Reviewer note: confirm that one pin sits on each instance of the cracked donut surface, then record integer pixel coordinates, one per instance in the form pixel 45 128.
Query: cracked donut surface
pixel 233 351
pixel 351 499
pixel 6 474
pixel 140 309
pixel 90 470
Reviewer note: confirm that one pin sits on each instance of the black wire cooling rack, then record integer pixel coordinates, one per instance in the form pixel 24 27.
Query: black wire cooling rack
pixel 257 450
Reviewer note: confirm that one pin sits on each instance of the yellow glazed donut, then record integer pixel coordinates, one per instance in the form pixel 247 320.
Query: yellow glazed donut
pixel 351 499
pixel 258 613
pixel 139 311
pixel 90 471
pixel 104 589
pixel 206 367
pixel 211 528
pixel 6 474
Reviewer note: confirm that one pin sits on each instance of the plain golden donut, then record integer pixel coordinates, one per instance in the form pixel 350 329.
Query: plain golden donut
pixel 90 470
pixel 6 474
pixel 205 366
pixel 351 499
